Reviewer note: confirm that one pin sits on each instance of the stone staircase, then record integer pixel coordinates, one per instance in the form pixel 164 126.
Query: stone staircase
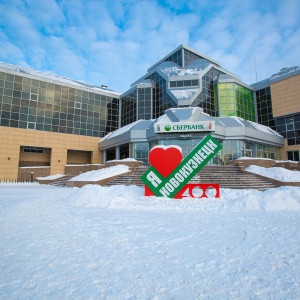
pixel 61 181
pixel 131 179
pixel 230 177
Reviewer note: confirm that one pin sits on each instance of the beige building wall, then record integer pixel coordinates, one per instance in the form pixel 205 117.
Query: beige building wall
pixel 79 157
pixel 286 96
pixel 285 101
pixel 13 138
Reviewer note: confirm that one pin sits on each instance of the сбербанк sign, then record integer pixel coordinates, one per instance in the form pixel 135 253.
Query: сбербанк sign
pixel 205 126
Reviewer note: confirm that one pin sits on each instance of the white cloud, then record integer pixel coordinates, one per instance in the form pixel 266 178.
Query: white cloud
pixel 288 13
pixel 45 14
pixel 8 50
pixel 114 42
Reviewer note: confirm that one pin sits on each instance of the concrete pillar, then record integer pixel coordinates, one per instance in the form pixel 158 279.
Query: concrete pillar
pixel 104 156
pixel 117 152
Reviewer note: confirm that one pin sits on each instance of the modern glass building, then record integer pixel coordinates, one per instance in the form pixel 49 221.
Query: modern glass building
pixel 33 100
pixel 47 121
pixel 187 78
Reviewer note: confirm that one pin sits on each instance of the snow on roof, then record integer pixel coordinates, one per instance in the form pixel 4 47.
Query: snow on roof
pixel 238 120
pixel 285 71
pixel 170 68
pixel 187 113
pixel 282 74
pixel 229 121
pixel 183 94
pixel 121 130
pixel 263 128
pixel 177 71
pixel 162 118
pixel 54 77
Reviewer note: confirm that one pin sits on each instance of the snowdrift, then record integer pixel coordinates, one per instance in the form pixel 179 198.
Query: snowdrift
pixel 132 197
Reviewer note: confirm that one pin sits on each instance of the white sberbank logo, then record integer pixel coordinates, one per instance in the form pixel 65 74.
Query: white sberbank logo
pixel 184 127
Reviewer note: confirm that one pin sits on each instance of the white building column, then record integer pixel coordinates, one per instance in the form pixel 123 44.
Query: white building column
pixel 117 152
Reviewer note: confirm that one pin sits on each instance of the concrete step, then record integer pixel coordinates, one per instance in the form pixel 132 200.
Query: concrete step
pixel 61 181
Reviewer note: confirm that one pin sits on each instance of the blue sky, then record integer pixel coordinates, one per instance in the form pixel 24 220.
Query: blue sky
pixel 114 42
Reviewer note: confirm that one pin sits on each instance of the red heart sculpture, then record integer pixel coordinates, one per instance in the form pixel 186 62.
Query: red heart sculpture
pixel 165 159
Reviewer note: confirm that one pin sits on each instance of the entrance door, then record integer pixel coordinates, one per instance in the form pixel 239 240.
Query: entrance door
pixel 292 155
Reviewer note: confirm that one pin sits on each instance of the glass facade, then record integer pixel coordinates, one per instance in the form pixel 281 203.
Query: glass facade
pixel 40 105
pixel 236 100
pixel 267 151
pixel 264 107
pixel 186 145
pixel 289 127
pixel 231 149
pixel 144 103
pixel 176 57
pixel 137 105
pixel 128 107
pixel 187 58
pixel 139 151
pixel 162 101
pixel 113 115
pixel 190 56
pixel 206 99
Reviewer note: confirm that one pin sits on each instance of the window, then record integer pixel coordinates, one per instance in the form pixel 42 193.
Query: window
pixel 33 150
pixel 289 128
pixel 172 84
pixel 33 97
pixel 184 83
pixel 78 105
pixel 292 155
pixel 30 125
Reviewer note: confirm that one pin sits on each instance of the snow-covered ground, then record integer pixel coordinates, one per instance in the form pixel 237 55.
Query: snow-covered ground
pixel 114 243
pixel 101 174
pixel 51 177
pixel 277 173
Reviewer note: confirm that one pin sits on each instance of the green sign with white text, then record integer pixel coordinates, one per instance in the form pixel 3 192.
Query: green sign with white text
pixel 184 127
